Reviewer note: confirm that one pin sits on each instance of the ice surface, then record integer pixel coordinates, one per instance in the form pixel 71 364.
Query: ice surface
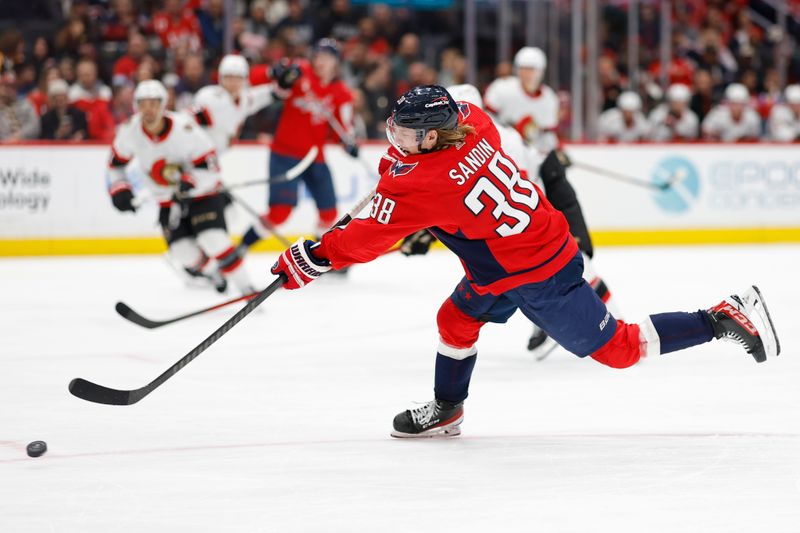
pixel 283 425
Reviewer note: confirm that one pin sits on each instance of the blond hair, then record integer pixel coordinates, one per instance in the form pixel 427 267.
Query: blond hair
pixel 447 138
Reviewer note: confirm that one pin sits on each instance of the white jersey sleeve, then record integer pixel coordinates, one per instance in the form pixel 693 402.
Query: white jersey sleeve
pixel 122 151
pixel 215 111
pixel 257 98
pixel 665 127
pixel 783 124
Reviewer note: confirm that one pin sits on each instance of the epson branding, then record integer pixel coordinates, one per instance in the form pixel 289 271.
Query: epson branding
pixel 769 184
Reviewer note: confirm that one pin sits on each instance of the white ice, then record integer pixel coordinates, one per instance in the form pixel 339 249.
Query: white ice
pixel 283 425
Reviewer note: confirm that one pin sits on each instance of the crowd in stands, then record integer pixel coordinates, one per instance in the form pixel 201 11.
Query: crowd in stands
pixel 74 79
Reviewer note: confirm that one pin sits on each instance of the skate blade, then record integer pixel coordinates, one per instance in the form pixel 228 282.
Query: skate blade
pixel 756 306
pixel 450 430
pixel 432 434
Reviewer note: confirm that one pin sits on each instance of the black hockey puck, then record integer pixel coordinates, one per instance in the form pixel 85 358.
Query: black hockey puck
pixel 37 448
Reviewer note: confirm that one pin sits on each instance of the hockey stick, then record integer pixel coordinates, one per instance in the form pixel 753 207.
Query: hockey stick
pixel 260 221
pixel 126 312
pixel 92 392
pixel 286 177
pixel 624 178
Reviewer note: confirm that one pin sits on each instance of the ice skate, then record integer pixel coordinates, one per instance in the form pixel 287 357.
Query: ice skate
pixel 745 319
pixel 436 418
pixel 541 344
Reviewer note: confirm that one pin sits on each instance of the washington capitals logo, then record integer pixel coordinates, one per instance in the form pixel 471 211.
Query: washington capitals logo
pixel 401 169
pixel 463 110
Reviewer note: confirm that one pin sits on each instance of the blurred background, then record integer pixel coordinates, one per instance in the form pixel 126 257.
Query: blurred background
pixel 100 49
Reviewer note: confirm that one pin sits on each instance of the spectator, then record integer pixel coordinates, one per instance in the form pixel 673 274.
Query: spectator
pixel 674 121
pixel 41 54
pixel 66 69
pixel 194 78
pixel 377 98
pixel 120 21
pixel 407 52
pixel 733 121
pixel 453 67
pixel 256 25
pixel 92 96
pixel 297 26
pixel 177 27
pixel 39 97
pixel 377 46
pixel 610 84
pixel 624 123
pixel 122 102
pixel 62 121
pixel 127 64
pixel 703 98
pixel 18 120
pixel 339 21
pixel 784 119
pixel 212 24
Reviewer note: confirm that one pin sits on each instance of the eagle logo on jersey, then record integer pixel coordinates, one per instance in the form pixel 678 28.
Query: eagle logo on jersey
pixel 401 169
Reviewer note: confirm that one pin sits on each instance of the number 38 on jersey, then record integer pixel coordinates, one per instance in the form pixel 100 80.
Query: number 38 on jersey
pixel 514 198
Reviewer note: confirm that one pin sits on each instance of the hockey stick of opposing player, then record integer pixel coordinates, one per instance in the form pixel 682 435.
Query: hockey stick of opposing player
pixel 663 186
pixel 92 392
pixel 287 176
pixel 129 314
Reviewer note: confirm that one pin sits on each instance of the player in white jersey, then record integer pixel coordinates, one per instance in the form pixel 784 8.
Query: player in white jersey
pixel 222 109
pixel 525 103
pixel 673 120
pixel 784 119
pixel 735 120
pixel 550 176
pixel 624 123
pixel 180 165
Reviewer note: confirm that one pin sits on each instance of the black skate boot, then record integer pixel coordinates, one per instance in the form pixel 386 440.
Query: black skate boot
pixel 540 343
pixel 745 319
pixel 436 418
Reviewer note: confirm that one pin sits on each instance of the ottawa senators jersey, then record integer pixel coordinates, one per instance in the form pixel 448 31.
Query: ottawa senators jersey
pixel 533 115
pixel 472 198
pixel 222 116
pixel 181 149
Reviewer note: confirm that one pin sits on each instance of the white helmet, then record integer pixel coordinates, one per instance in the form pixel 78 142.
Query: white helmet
pixel 629 101
pixel 736 93
pixel 530 57
pixel 792 94
pixel 678 92
pixel 466 93
pixel 151 89
pixel 234 65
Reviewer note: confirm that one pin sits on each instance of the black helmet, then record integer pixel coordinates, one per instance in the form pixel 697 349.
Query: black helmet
pixel 426 107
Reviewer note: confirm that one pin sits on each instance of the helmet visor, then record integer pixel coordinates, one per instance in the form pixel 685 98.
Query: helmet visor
pixel 404 139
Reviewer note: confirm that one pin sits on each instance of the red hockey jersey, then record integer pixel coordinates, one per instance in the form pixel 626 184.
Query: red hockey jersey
pixel 474 200
pixel 304 120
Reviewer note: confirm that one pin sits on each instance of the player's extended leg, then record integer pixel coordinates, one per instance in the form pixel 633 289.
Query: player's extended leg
pixel 572 313
pixel 207 219
pixel 460 319
pixel 184 249
pixel 282 200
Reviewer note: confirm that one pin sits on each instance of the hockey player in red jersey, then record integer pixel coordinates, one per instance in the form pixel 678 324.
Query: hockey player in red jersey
pixel 317 104
pixel 448 172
